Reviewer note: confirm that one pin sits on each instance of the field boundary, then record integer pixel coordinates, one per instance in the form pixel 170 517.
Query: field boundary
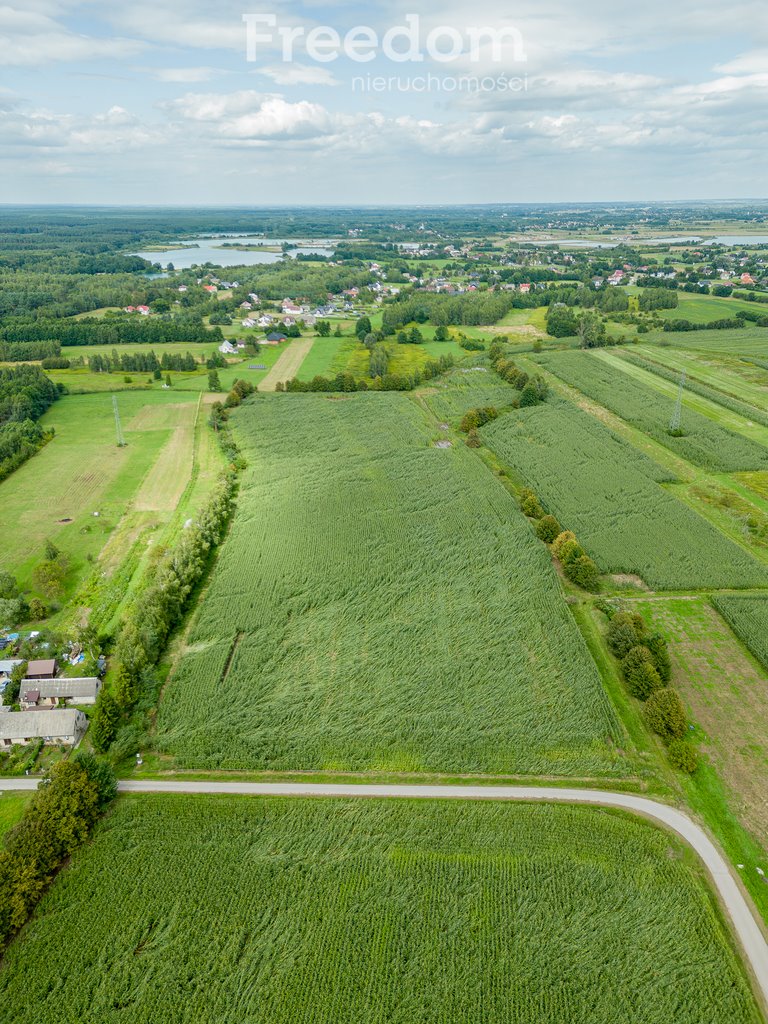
pixel 744 921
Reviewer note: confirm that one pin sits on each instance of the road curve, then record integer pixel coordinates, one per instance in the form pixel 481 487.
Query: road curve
pixel 743 919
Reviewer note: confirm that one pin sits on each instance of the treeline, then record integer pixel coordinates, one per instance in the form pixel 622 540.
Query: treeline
pixel 28 352
pixel 59 818
pixel 346 382
pixel 726 324
pixel 532 389
pixel 156 610
pixel 25 394
pixel 471 309
pixel 128 330
pixel 647 671
pixel 576 564
pixel 143 362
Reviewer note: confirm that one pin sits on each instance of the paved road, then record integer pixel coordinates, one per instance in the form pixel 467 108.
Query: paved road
pixel 744 922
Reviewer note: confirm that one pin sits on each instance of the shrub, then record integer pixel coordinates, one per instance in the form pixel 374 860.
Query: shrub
pixel 639 672
pixel 657 645
pixel 625 631
pixel 547 529
pixel 560 541
pixel 569 551
pixel 473 439
pixel 665 714
pixel 583 572
pixel 683 757
pixel 530 505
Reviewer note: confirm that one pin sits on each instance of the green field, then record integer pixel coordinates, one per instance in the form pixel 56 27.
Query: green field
pixel 11 809
pixel 702 309
pixel 614 386
pixel 748 617
pixel 743 341
pixel 608 493
pixel 221 910
pixel 381 604
pixel 450 397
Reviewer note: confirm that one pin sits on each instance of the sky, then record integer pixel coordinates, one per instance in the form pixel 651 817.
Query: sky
pixel 180 103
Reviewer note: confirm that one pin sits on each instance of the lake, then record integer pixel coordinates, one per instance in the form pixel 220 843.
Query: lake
pixel 209 250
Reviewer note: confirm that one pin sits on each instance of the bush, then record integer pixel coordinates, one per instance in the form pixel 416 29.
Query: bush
pixel 626 630
pixel 665 714
pixel 560 541
pixel 683 757
pixel 582 571
pixel 473 439
pixel 657 645
pixel 640 673
pixel 548 529
pixel 569 551
pixel 529 505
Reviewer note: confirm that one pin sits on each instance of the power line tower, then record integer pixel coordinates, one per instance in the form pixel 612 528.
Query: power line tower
pixel 118 427
pixel 674 423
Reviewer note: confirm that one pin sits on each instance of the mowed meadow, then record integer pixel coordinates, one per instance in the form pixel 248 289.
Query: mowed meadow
pixel 221 910
pixel 381 604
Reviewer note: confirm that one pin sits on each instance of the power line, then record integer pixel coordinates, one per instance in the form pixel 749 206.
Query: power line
pixel 120 439
pixel 677 413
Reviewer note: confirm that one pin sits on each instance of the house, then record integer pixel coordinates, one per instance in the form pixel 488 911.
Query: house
pixel 616 277
pixel 67 725
pixel 747 279
pixel 129 309
pixel 144 310
pixel 246 305
pixel 525 288
pixel 227 348
pixel 45 669
pixel 248 322
pixel 289 321
pixel 276 337
pixel 309 319
pixel 210 288
pixel 264 320
pixel 50 693
pixel 289 306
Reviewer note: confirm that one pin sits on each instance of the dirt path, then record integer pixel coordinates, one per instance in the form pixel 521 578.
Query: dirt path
pixel 288 363
pixel 743 919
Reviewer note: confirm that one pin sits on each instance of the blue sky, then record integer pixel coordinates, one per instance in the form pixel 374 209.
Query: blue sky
pixel 156 102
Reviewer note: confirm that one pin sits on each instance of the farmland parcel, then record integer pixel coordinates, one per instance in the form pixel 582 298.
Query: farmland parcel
pixel 369 911
pixel 381 604
pixel 608 493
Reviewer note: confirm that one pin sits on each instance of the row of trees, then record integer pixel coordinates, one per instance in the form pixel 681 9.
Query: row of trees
pixel 25 394
pixel 576 564
pixel 58 819
pixel 532 389
pixel 157 608
pixel 145 362
pixel 387 382
pixel 647 671
pixel 29 351
pixel 127 330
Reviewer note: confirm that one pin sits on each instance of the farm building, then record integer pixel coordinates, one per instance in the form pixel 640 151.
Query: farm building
pixel 276 337
pixel 50 693
pixel 227 348
pixel 62 726
pixel 45 669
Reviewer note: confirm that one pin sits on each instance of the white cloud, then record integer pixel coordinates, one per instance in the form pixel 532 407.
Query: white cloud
pixel 298 74
pixel 28 37
pixel 184 75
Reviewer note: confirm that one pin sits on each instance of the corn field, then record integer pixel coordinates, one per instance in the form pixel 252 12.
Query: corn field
pixel 455 395
pixel 608 493
pixel 381 604
pixel 703 443
pixel 226 910
pixel 747 615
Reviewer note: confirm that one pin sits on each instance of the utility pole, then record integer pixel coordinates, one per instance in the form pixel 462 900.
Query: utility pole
pixel 674 423
pixel 118 427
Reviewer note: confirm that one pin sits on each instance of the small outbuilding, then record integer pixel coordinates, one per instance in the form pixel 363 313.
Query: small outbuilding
pixel 43 669
pixel 66 725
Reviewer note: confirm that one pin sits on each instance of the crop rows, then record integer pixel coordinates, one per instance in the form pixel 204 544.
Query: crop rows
pixel 394 611
pixel 462 391
pixel 749 412
pixel 747 615
pixel 703 442
pixel 607 492
pixel 206 910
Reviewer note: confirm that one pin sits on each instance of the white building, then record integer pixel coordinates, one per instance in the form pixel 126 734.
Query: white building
pixel 51 693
